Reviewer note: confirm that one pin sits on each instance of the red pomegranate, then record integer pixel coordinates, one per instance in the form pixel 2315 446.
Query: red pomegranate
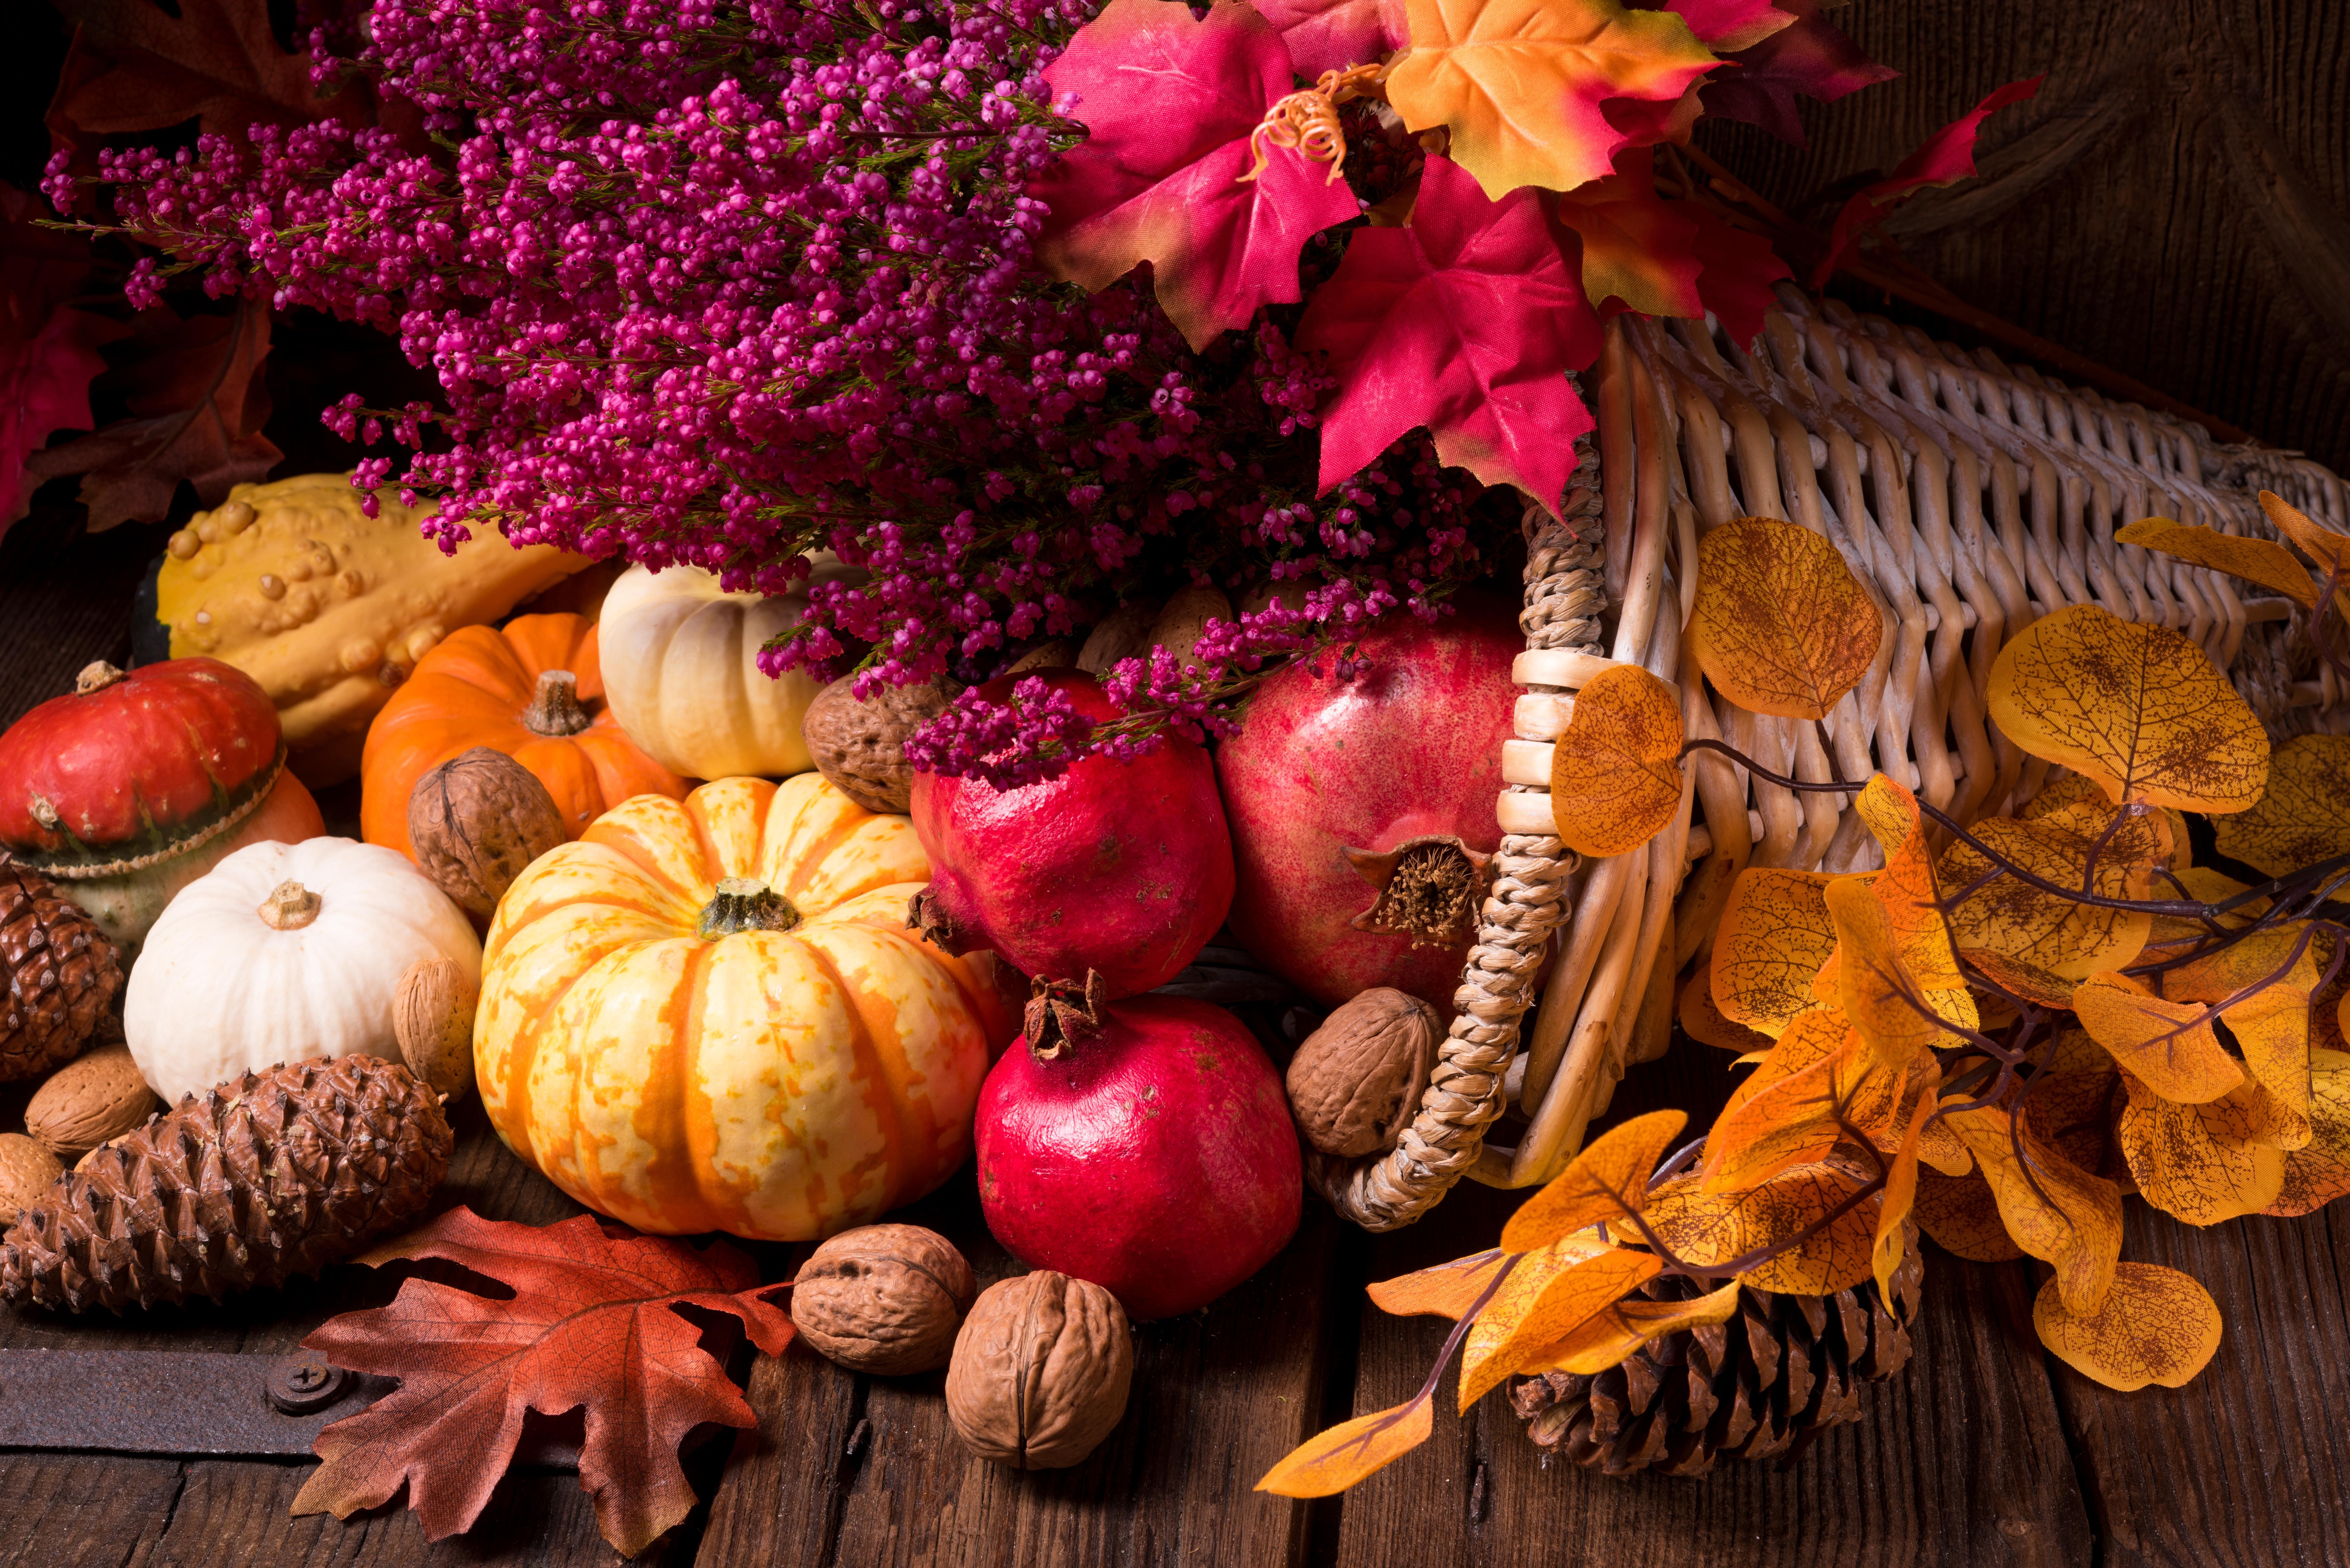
pixel 1401 758
pixel 1143 1145
pixel 1124 869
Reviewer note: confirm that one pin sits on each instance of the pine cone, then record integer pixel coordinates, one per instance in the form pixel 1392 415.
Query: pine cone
pixel 1768 1382
pixel 61 972
pixel 277 1174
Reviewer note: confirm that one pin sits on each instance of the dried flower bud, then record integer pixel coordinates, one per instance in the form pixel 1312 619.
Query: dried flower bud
pixel 1040 1370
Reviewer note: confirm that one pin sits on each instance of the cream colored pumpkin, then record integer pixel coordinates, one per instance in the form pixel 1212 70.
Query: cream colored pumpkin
pixel 680 659
pixel 283 952
pixel 707 1014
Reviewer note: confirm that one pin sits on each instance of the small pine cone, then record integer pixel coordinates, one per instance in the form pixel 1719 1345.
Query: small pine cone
pixel 1769 1381
pixel 277 1174
pixel 61 972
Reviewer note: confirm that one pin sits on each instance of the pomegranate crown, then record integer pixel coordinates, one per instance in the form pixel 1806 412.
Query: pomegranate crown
pixel 1062 1013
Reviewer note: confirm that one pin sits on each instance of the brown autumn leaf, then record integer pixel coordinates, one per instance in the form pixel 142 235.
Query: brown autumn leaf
pixel 198 402
pixel 1961 1216
pixel 2055 1211
pixel 1616 778
pixel 2136 706
pixel 2205 1163
pixel 2024 982
pixel 1781 625
pixel 1705 1023
pixel 2170 1045
pixel 2319 543
pixel 2073 1098
pixel 1618 1331
pixel 1709 1230
pixel 1891 1239
pixel 2319 1172
pixel 590 1324
pixel 2173 935
pixel 2303 817
pixel 2262 561
pixel 1774 934
pixel 1517 1324
pixel 135 66
pixel 1447 1290
pixel 1608 1180
pixel 1329 1462
pixel 2061 936
pixel 2155 1326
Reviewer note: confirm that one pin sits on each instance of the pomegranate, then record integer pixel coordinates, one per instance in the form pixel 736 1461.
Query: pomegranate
pixel 1123 869
pixel 1400 765
pixel 1143 1145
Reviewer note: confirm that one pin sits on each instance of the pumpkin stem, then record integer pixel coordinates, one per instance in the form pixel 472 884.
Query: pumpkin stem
pixel 97 675
pixel 1428 889
pixel 1061 1015
pixel 554 706
pixel 289 906
pixel 745 904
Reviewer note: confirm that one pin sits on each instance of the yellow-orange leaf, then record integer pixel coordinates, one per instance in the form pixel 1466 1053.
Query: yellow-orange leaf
pixel 2055 1211
pixel 2136 706
pixel 2062 936
pixel 2202 1164
pixel 2173 934
pixel 1878 990
pixel 1329 1462
pixel 2075 1089
pixel 2024 982
pixel 2265 981
pixel 1709 1230
pixel 1705 1023
pixel 2304 815
pixel 1812 1036
pixel 1448 1290
pixel 1962 1217
pixel 1781 625
pixel 2319 1172
pixel 1801 1101
pixel 1605 1182
pixel 1907 887
pixel 1900 1197
pixel 2170 1045
pixel 2260 561
pixel 1616 774
pixel 1504 1341
pixel 1774 934
pixel 1619 1330
pixel 1520 83
pixel 2319 543
pixel 2155 1326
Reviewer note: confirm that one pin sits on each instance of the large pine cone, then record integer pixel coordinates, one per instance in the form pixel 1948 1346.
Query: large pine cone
pixel 1768 1382
pixel 277 1174
pixel 60 973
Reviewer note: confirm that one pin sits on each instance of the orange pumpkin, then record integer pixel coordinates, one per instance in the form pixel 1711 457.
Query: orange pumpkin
pixel 531 688
pixel 710 1015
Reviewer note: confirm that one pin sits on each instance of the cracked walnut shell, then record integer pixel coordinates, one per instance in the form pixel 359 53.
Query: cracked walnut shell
pixel 884 1299
pixel 1356 1081
pixel 1040 1370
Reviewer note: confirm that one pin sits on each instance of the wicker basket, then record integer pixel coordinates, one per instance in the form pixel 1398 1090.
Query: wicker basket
pixel 1973 497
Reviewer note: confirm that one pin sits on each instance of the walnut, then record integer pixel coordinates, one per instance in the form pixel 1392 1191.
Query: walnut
pixel 861 746
pixel 476 821
pixel 883 1298
pixel 1040 1370
pixel 1356 1082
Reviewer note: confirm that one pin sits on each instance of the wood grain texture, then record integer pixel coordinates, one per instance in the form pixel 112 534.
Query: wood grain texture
pixel 1961 1461
pixel 2175 203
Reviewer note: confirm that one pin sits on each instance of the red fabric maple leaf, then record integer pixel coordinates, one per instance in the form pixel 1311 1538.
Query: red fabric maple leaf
pixel 1807 57
pixel 1944 158
pixel 1465 320
pixel 591 1324
pixel 48 351
pixel 1738 270
pixel 1724 27
pixel 1170 102
pixel 1331 35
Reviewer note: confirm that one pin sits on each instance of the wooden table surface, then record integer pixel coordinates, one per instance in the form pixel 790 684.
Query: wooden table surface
pixel 1983 1451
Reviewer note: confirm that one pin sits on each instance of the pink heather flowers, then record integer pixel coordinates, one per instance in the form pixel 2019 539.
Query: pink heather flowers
pixel 721 283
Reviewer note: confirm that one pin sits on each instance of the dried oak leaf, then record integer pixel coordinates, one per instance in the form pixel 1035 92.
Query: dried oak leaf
pixel 1944 158
pixel 591 1324
pixel 2319 1172
pixel 1172 103
pixel 2155 1326
pixel 2304 816
pixel 2137 708
pixel 1549 1295
pixel 2061 936
pixel 1781 624
pixel 2205 1163
pixel 1713 1228
pixel 198 402
pixel 2055 1211
pixel 1520 84
pixel 1774 934
pixel 135 66
pixel 1464 320
pixel 2262 561
pixel 1616 778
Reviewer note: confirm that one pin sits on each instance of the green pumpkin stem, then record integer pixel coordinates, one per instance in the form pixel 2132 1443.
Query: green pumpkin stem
pixel 745 904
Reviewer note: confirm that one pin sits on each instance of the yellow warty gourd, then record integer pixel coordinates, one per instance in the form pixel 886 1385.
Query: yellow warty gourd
pixel 328 608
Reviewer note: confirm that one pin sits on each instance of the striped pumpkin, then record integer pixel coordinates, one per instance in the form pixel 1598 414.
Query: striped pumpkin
pixel 707 1014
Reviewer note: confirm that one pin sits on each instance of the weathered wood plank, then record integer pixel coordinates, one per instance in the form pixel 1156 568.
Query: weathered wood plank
pixel 2248 1466
pixel 69 1511
pixel 1961 1461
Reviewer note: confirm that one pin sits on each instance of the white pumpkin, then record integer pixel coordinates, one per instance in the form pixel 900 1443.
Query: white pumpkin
pixel 681 663
pixel 283 952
